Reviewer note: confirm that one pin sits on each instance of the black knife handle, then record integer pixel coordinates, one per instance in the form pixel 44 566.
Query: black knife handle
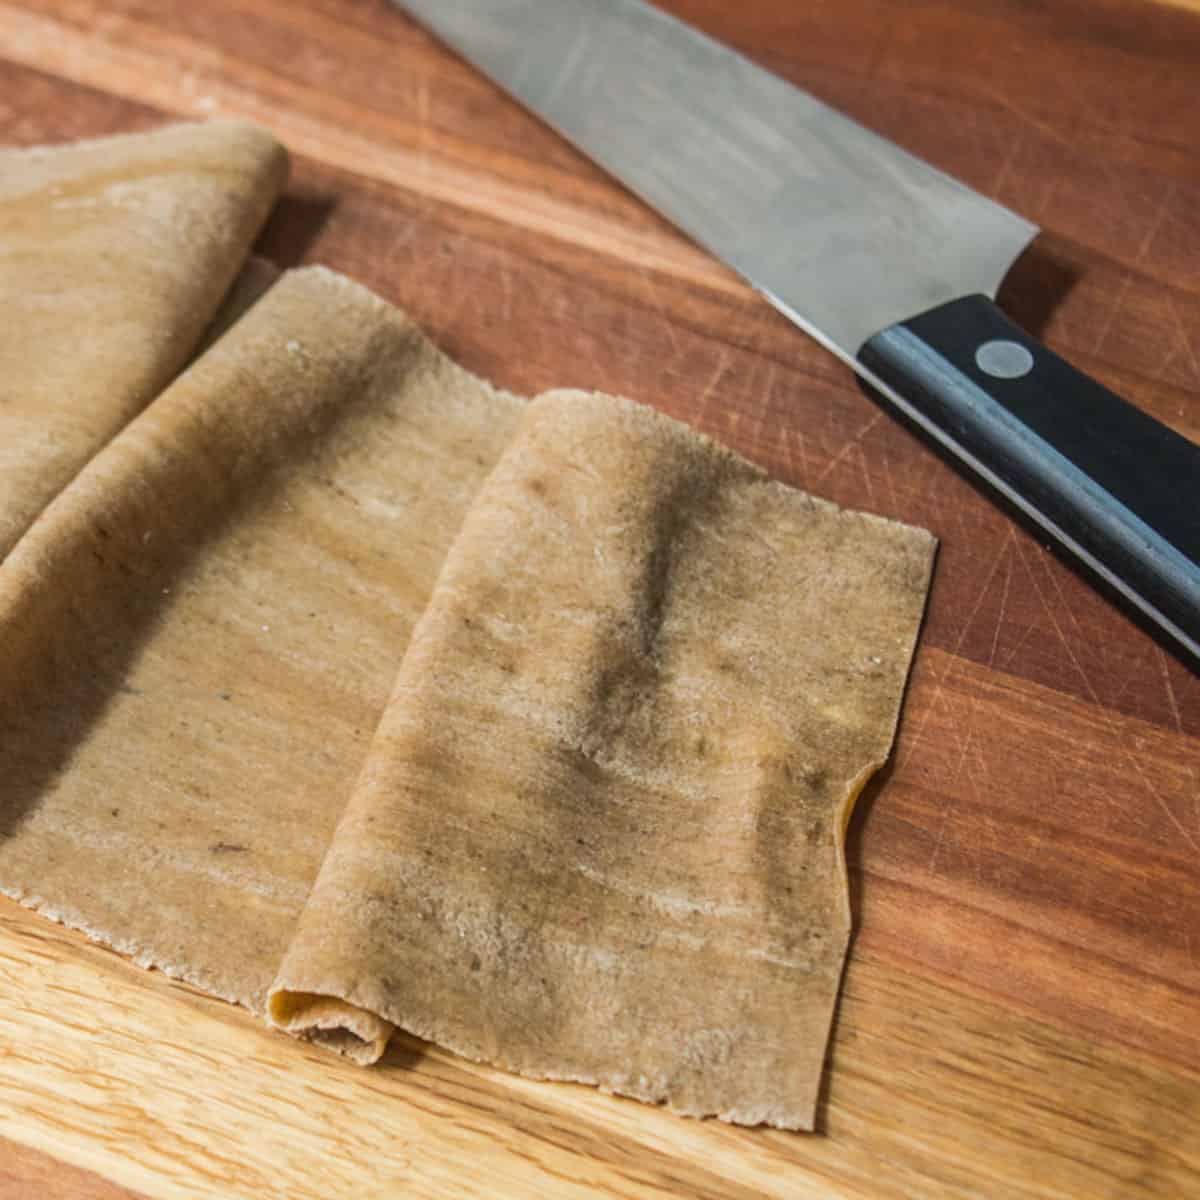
pixel 1112 485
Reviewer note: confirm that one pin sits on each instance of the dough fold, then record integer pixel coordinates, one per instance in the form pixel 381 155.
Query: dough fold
pixel 599 833
pixel 114 255
pixel 199 634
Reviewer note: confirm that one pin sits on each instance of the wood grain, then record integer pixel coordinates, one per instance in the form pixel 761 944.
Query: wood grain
pixel 1019 1014
pixel 185 1096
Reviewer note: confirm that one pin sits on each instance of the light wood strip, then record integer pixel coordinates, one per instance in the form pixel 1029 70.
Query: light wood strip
pixel 176 1095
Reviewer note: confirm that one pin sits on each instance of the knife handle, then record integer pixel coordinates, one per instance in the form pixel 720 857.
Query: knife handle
pixel 1111 484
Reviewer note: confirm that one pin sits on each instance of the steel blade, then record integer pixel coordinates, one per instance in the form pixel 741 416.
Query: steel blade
pixel 839 228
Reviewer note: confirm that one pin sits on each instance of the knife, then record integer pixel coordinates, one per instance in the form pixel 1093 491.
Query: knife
pixel 888 262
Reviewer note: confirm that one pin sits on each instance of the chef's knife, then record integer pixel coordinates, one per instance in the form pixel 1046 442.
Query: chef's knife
pixel 888 262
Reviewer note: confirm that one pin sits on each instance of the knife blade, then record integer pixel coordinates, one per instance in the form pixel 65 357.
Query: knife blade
pixel 888 262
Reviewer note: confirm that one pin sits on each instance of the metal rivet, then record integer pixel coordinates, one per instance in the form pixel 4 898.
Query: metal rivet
pixel 1003 359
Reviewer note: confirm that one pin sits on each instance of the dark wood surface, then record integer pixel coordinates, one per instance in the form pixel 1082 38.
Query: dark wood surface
pixel 1020 1012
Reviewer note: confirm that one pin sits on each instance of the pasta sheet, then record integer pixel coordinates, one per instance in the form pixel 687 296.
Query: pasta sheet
pixel 354 690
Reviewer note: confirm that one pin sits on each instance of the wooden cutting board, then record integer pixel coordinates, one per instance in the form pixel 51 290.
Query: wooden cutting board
pixel 1021 1014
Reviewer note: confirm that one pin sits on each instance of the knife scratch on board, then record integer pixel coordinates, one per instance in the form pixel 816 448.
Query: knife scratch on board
pixel 1185 340
pixel 930 671
pixel 940 837
pixel 852 443
pixel 1004 593
pixel 1110 724
pixel 1169 691
pixel 710 388
pixel 1105 325
pixel 664 311
pixel 1017 642
pixel 1154 226
pixel 1049 610
pixel 909 745
pixel 800 456
pixel 1016 145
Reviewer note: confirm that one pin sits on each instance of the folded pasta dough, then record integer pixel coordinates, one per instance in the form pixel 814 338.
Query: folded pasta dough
pixel 199 634
pixel 599 834
pixel 114 255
